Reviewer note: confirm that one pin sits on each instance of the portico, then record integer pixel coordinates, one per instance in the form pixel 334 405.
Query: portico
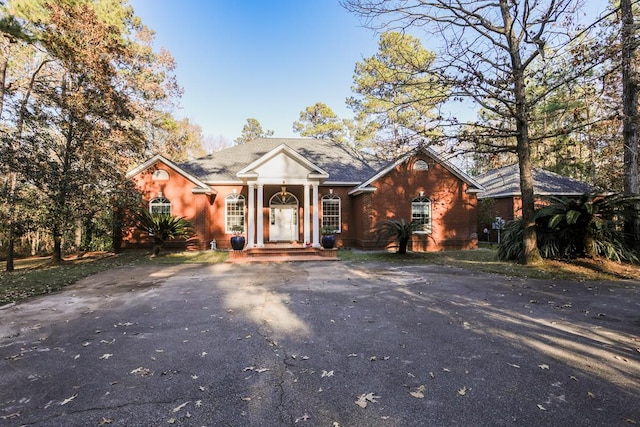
pixel 272 182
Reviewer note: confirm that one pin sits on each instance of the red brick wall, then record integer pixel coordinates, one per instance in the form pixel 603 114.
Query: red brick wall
pixel 184 203
pixel 453 210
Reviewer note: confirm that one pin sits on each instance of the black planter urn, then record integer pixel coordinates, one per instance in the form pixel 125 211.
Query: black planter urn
pixel 237 243
pixel 328 241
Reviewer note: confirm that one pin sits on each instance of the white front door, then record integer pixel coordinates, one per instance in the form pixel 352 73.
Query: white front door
pixel 283 224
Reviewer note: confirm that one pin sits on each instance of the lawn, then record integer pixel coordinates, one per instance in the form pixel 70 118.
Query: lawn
pixel 36 276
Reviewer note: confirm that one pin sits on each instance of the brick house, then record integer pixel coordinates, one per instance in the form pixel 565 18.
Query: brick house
pixel 286 190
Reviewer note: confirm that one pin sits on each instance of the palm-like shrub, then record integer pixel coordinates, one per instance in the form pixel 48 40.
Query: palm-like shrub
pixel 590 225
pixel 163 227
pixel 399 230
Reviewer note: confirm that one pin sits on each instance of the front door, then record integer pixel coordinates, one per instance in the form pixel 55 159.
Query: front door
pixel 283 217
pixel 283 224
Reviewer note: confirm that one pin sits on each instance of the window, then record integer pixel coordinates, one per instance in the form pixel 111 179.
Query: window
pixel 420 165
pixel 421 213
pixel 160 205
pixel 331 212
pixel 234 212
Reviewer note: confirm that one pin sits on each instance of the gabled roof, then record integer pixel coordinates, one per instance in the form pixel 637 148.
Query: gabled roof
pixel 311 169
pixel 505 182
pixel 200 186
pixel 342 164
pixel 474 186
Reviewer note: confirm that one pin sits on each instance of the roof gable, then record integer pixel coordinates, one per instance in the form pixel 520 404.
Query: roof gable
pixel 282 163
pixel 342 164
pixel 474 186
pixel 200 186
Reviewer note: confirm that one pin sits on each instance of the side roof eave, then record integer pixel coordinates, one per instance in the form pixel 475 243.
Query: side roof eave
pixel 200 186
pixel 474 185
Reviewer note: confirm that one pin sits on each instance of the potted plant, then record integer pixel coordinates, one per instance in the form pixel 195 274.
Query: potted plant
pixel 328 238
pixel 237 240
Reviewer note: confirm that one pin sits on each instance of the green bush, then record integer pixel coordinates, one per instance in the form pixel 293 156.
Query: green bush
pixel 590 226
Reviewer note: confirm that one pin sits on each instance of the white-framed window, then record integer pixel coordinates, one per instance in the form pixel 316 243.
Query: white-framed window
pixel 160 205
pixel 420 165
pixel 331 217
pixel 421 213
pixel 234 212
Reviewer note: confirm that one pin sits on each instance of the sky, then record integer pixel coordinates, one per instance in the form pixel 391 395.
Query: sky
pixel 262 59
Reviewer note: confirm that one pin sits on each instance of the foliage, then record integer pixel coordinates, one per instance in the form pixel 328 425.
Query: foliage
pixel 319 121
pixel 591 225
pixel 80 83
pixel 327 231
pixel 397 93
pixel 396 229
pixel 252 130
pixel 163 227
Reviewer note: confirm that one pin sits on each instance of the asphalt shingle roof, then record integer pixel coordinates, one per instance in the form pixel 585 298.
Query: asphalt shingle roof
pixel 342 163
pixel 505 182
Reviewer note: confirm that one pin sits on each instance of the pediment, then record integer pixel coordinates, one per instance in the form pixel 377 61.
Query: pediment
pixel 282 164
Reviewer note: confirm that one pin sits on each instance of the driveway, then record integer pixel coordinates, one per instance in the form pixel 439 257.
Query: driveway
pixel 322 344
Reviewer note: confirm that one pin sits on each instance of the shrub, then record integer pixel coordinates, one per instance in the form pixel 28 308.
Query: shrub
pixel 163 227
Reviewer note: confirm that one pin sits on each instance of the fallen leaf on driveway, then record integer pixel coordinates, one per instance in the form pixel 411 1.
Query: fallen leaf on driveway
pixel 179 407
pixel 305 417
pixel 104 421
pixel 543 366
pixel 542 408
pixel 68 399
pixel 326 374
pixel 363 399
pixel 142 372
pixel 513 365
pixel 419 393
pixel 463 391
pixel 106 356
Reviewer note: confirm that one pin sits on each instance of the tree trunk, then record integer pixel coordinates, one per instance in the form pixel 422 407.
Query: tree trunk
pixel 402 246
pixel 530 243
pixel 56 257
pixel 630 117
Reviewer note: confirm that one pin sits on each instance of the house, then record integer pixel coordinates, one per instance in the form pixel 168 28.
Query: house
pixel 502 190
pixel 286 190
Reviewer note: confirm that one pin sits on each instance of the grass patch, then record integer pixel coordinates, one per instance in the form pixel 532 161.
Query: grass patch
pixel 37 276
pixel 486 261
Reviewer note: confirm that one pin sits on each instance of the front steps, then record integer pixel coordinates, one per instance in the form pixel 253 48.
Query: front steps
pixel 280 252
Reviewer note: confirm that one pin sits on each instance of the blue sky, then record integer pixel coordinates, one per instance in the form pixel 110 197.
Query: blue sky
pixel 265 59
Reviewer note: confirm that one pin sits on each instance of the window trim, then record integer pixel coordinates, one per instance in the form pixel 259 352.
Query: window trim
pixel 422 202
pixel 160 203
pixel 240 213
pixel 333 198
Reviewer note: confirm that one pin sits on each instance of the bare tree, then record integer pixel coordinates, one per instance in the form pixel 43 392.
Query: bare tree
pixel 491 52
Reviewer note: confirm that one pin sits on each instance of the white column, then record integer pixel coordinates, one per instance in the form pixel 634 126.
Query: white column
pixel 307 223
pixel 316 222
pixel 251 226
pixel 260 215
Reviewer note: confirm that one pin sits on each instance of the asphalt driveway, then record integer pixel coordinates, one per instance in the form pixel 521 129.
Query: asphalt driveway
pixel 322 344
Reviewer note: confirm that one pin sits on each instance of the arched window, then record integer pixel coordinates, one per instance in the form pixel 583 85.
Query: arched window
pixel 331 212
pixel 234 212
pixel 420 165
pixel 421 213
pixel 160 205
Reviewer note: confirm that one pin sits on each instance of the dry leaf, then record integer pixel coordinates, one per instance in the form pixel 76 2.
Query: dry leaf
pixel 326 374
pixel 363 399
pixel 68 399
pixel 513 365
pixel 179 407
pixel 591 395
pixel 463 391
pixel 543 366
pixel 305 417
pixel 261 370
pixel 419 393
pixel 106 356
pixel 104 421
pixel 542 408
pixel 198 403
